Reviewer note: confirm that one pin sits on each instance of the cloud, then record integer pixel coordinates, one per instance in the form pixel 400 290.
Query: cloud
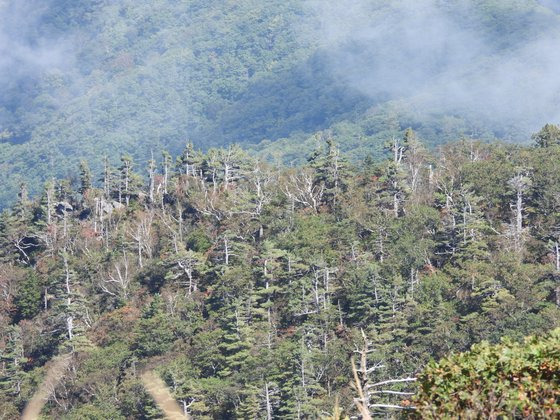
pixel 426 53
pixel 27 46
pixel 551 4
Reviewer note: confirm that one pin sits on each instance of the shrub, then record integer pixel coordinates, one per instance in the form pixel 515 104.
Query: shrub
pixel 490 381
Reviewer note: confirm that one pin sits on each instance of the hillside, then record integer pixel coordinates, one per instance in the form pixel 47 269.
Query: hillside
pixel 91 78
pixel 248 288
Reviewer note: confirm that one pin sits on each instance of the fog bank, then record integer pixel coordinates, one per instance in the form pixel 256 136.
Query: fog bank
pixel 446 58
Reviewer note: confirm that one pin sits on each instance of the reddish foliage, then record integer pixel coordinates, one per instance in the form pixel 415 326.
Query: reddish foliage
pixel 429 268
pixel 287 332
pixel 88 232
pixel 117 324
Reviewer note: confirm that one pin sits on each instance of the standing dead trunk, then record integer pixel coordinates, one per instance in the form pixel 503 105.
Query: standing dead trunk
pixel 226 250
pixel 69 318
pixel 557 289
pixel 268 404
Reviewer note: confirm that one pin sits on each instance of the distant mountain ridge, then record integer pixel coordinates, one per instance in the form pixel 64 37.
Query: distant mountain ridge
pixel 136 76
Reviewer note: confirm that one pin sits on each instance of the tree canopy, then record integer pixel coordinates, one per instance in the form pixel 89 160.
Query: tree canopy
pixel 248 287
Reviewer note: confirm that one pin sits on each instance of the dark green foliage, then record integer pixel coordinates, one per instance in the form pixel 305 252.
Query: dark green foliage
pixel 247 287
pixel 198 241
pixel 28 298
pixel 140 77
pixel 85 178
pixel 154 334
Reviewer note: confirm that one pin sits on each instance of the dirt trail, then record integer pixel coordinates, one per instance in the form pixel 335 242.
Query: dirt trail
pixel 163 398
pixel 55 370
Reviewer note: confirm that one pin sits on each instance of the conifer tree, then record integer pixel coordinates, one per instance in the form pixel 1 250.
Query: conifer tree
pixel 11 360
pixel 28 298
pixel 190 161
pixel 548 136
pixel 85 178
pixel 330 171
pixel 129 182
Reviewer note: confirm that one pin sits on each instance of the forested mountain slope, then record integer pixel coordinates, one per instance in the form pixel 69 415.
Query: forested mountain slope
pixel 248 287
pixel 96 77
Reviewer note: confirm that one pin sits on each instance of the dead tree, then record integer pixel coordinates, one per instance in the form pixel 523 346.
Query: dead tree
pixel 368 390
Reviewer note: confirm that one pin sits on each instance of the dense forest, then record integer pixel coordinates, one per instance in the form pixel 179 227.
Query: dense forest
pixel 250 289
pixel 87 78
pixel 292 209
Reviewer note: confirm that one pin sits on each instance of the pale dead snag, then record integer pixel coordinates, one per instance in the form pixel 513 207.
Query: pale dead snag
pixel 360 401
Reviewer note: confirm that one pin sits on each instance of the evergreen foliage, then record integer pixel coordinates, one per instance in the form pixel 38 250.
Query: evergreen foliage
pixel 249 287
pixel 137 77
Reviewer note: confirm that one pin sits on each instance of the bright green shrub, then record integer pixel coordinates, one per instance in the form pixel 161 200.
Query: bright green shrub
pixel 494 381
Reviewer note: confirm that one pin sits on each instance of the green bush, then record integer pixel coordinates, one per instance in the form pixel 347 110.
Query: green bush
pixel 494 381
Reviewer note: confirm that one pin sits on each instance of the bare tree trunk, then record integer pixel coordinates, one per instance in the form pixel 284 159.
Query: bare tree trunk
pixel 557 290
pixel 226 250
pixel 360 401
pixel 69 319
pixel 268 405
pixel 165 176
pixel 519 184
pixel 139 248
pixel 151 172
pixel 49 205
pixel 519 212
